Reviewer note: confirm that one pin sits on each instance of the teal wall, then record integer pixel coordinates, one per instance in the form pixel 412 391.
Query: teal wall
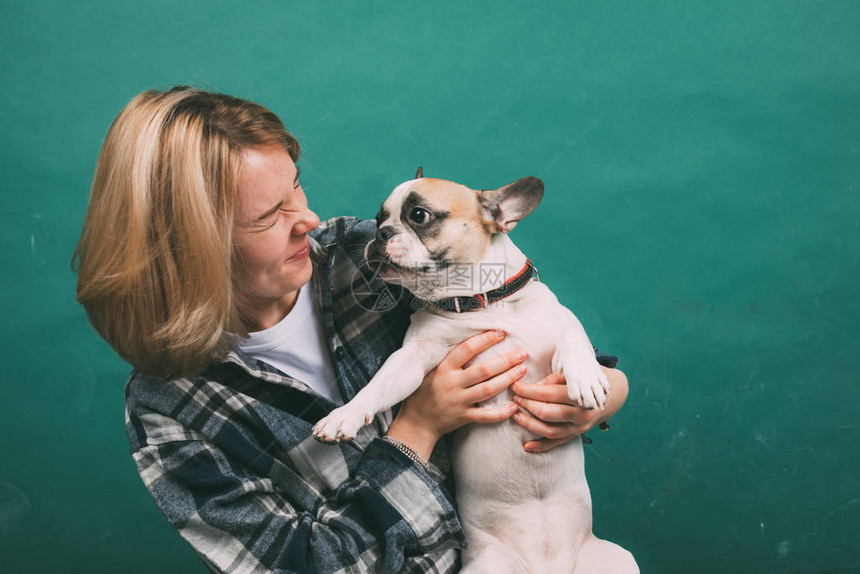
pixel 702 217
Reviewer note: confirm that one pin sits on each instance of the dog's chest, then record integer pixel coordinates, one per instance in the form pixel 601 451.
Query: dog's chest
pixel 531 319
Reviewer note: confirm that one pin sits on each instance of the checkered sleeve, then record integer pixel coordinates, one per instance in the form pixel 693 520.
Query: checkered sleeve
pixel 293 504
pixel 610 361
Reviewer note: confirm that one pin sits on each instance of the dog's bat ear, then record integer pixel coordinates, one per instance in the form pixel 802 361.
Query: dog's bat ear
pixel 507 205
pixel 420 173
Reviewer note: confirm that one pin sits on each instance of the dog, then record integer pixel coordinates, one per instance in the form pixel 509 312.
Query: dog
pixel 521 512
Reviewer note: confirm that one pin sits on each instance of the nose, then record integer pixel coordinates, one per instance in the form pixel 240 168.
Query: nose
pixel 308 221
pixel 385 233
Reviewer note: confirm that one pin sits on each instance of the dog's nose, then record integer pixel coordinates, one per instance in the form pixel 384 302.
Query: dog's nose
pixel 385 233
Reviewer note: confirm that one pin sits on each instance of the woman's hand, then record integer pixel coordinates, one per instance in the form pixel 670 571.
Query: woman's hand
pixel 450 393
pixel 552 415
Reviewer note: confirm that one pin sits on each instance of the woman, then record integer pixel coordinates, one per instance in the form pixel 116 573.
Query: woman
pixel 246 321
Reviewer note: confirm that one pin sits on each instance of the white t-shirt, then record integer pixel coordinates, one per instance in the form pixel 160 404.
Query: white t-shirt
pixel 297 346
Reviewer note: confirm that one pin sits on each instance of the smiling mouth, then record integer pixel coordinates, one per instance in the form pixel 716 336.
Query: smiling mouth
pixel 301 253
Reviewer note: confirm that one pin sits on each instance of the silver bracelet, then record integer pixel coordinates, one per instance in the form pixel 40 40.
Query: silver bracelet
pixel 407 450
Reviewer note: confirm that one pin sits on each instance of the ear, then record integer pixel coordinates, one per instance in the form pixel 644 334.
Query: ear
pixel 507 205
pixel 419 174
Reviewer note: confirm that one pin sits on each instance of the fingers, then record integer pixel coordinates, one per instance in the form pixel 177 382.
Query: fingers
pixel 547 400
pixel 487 369
pixel 552 431
pixel 468 349
pixel 549 411
pixel 482 416
pixel 491 387
pixel 544 444
pixel 556 378
pixel 491 367
pixel 551 389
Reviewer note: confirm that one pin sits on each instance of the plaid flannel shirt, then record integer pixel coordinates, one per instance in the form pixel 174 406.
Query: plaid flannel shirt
pixel 229 457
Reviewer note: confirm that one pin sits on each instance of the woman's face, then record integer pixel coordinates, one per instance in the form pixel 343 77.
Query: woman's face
pixel 271 250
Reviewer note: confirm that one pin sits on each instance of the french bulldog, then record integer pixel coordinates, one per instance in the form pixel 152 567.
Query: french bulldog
pixel 448 244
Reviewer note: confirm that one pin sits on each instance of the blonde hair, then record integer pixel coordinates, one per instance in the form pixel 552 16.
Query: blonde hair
pixel 154 259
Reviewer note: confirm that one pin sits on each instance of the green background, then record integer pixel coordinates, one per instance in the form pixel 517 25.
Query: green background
pixel 701 217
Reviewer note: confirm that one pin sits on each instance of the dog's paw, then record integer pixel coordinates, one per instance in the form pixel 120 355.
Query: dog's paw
pixel 587 387
pixel 342 424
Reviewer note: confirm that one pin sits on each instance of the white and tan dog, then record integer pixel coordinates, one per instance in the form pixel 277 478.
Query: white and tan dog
pixel 448 244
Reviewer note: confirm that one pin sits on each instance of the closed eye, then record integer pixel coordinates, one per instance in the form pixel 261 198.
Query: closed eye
pixel 283 209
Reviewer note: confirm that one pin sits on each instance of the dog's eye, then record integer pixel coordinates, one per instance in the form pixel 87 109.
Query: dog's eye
pixel 420 216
